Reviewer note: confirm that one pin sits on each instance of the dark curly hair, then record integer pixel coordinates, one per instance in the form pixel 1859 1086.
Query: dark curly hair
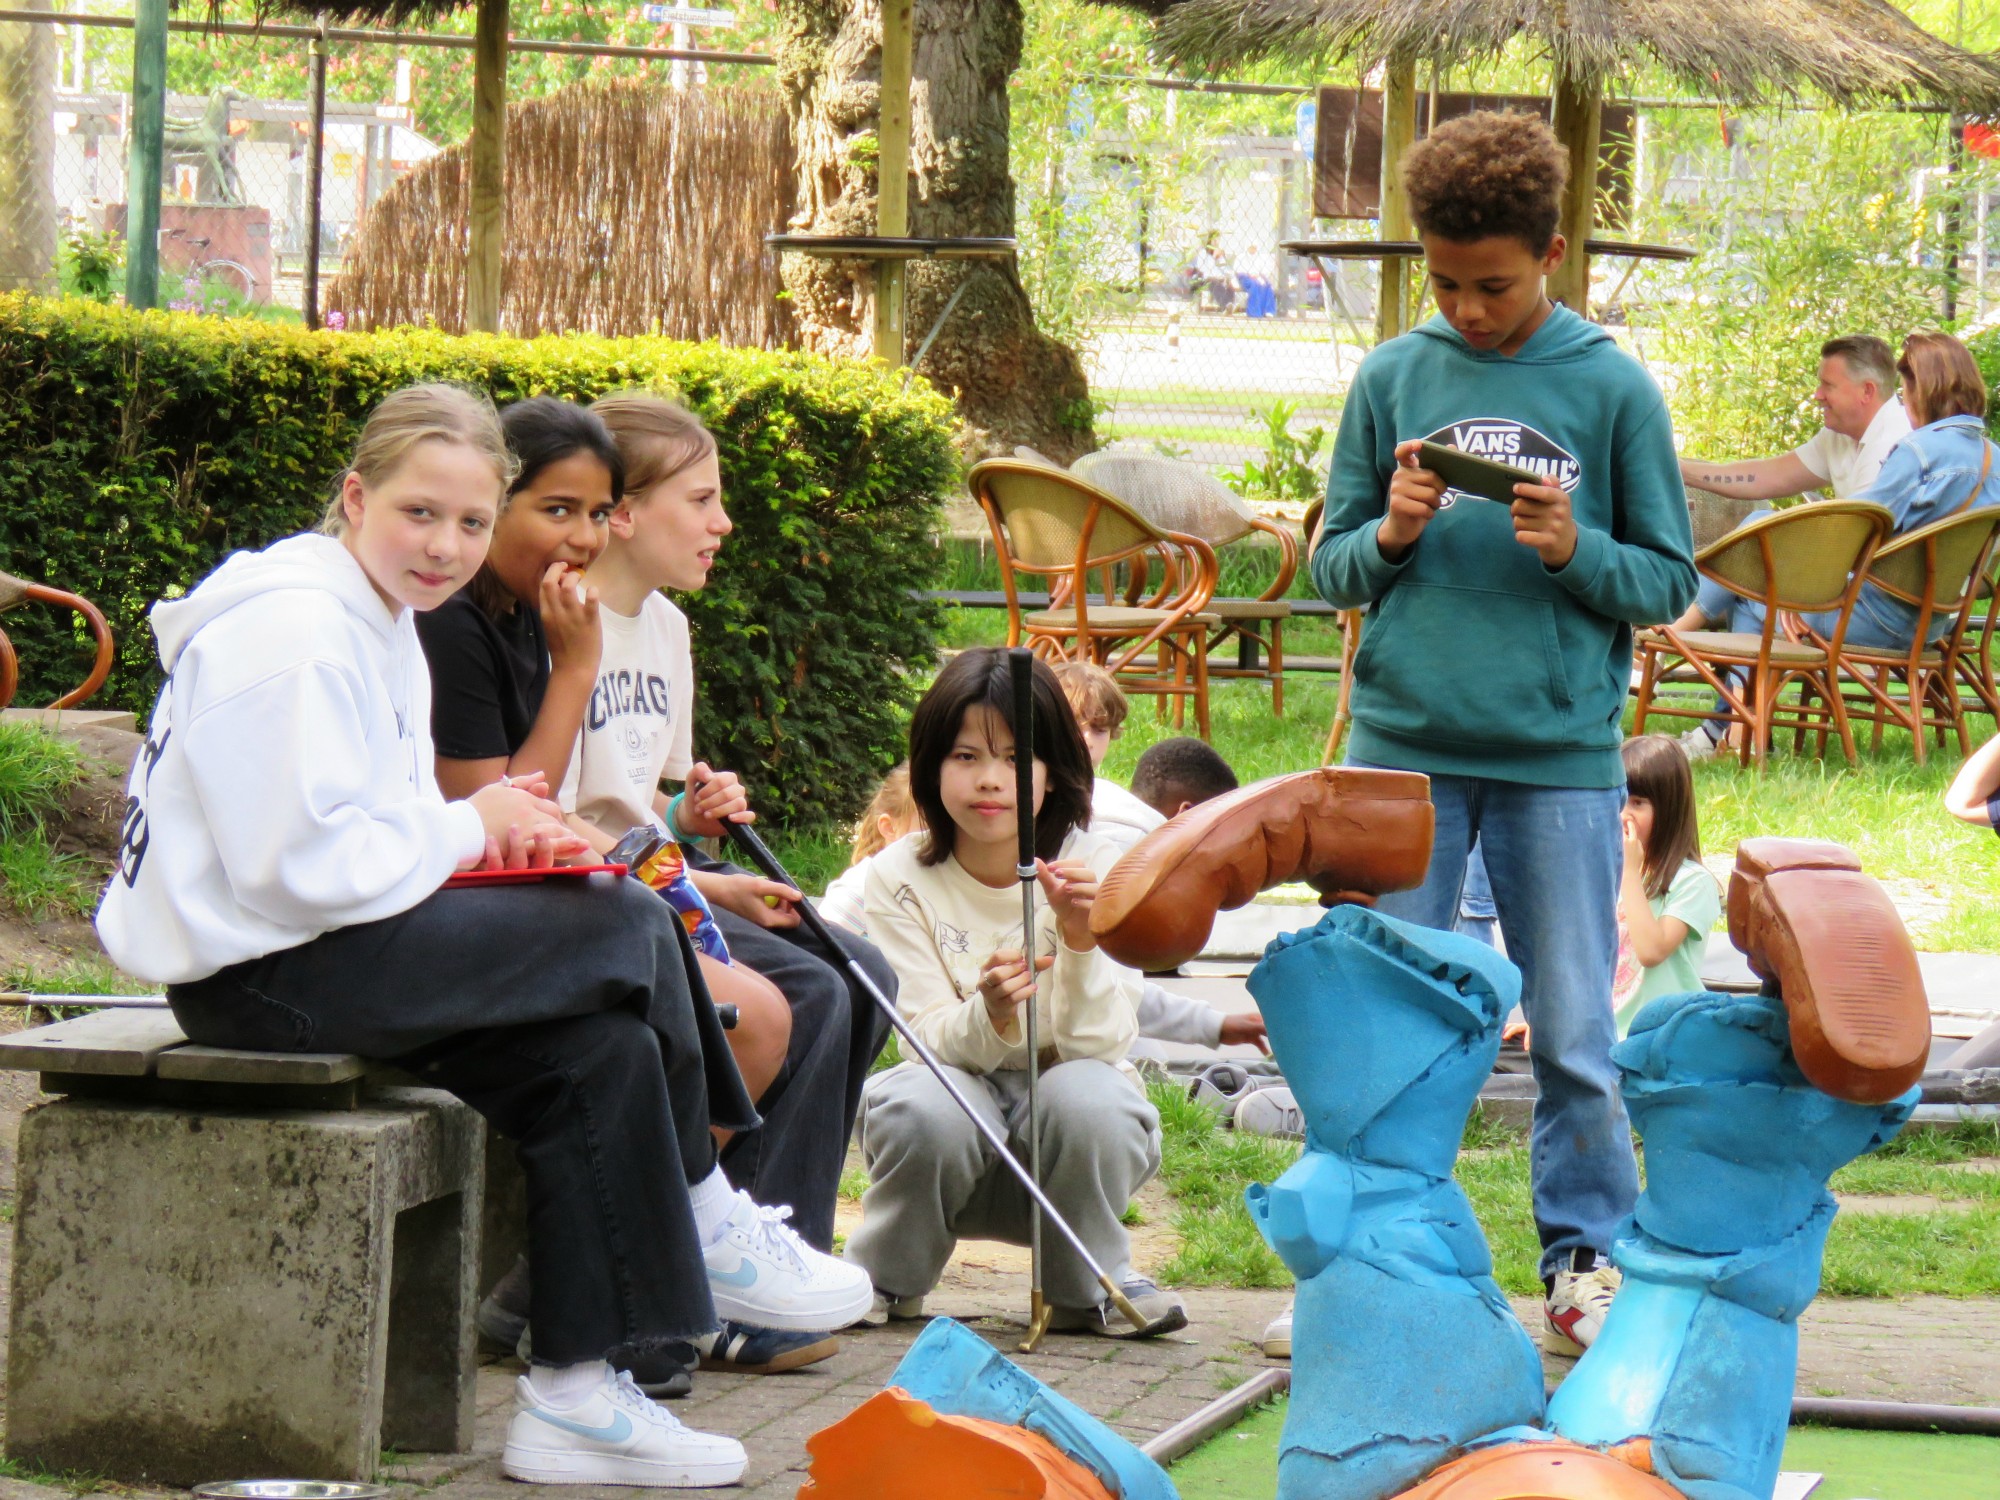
pixel 1486 174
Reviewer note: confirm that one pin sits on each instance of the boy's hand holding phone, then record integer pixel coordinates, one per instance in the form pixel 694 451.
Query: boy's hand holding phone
pixel 524 831
pixel 1543 520
pixel 1415 493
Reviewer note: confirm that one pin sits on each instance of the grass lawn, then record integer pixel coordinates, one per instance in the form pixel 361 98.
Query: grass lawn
pixel 1242 1462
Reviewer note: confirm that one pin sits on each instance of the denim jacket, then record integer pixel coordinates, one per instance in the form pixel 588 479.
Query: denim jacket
pixel 1926 478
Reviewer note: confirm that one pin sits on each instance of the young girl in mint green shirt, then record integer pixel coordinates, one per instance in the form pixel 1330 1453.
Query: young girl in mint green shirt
pixel 1667 900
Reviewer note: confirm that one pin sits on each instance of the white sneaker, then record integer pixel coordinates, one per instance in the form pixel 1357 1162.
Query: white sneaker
pixel 1271 1111
pixel 1278 1335
pixel 761 1272
pixel 1573 1311
pixel 614 1436
pixel 1698 744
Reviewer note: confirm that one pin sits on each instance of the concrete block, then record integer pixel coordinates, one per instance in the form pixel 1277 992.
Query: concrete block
pixel 231 1293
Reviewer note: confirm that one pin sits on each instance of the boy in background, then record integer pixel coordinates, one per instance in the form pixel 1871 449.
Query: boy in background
pixel 1499 648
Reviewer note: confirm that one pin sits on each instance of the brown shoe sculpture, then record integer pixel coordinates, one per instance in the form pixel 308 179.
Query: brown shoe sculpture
pixel 1352 834
pixel 1806 917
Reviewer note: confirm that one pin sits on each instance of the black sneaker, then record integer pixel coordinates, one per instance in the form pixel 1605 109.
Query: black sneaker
pixel 664 1374
pixel 744 1350
pixel 503 1312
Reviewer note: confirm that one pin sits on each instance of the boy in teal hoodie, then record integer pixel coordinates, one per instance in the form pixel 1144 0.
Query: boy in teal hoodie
pixel 1498 646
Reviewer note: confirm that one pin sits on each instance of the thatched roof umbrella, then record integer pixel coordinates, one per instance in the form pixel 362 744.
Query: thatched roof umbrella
pixel 1855 52
pixel 488 153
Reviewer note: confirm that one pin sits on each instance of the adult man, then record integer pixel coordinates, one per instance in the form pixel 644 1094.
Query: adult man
pixel 1864 419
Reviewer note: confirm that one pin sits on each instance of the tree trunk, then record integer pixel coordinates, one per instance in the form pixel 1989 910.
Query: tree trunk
pixel 27 154
pixel 1013 384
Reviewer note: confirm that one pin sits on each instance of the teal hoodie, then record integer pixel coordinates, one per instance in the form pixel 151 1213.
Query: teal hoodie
pixel 1476 659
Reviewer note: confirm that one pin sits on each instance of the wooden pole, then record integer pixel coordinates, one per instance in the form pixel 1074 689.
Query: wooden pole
pixel 892 192
pixel 144 159
pixel 315 170
pixel 1579 109
pixel 1399 132
pixel 488 213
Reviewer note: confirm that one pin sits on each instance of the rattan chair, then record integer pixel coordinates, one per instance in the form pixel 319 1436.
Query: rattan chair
pixel 1349 621
pixel 1978 693
pixel 1050 524
pixel 1809 558
pixel 1936 570
pixel 1180 497
pixel 15 592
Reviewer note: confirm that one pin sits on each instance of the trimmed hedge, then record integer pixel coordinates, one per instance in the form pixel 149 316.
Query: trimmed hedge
pixel 137 449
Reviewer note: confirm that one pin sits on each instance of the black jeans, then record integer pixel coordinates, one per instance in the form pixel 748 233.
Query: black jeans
pixel 574 1019
pixel 795 1157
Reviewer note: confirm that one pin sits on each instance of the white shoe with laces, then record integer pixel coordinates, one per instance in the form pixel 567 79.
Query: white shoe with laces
pixel 1698 744
pixel 1577 1300
pixel 760 1272
pixel 614 1435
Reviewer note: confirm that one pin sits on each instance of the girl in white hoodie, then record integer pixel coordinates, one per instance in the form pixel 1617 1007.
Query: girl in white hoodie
pixel 284 853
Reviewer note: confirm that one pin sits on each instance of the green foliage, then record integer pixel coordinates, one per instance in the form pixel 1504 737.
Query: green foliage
pixel 1807 230
pixel 39 881
pixel 1293 469
pixel 88 263
pixel 36 769
pixel 139 448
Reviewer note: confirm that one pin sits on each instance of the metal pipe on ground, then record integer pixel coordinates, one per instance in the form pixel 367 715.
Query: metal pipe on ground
pixel 1223 1412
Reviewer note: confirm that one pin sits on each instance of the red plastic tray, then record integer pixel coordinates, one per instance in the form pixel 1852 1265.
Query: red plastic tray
pixel 529 877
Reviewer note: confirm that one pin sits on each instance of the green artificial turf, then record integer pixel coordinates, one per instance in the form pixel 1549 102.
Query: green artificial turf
pixel 1241 1463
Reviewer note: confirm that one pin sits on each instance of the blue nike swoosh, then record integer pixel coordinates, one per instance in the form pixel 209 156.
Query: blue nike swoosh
pixel 745 1274
pixel 617 1430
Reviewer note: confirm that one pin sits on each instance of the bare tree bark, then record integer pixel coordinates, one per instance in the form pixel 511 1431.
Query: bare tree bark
pixel 1013 384
pixel 27 154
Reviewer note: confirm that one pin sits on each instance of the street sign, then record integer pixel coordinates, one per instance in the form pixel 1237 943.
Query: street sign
pixel 683 15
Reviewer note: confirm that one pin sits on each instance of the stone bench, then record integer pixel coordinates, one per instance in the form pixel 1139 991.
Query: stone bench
pixel 236 1264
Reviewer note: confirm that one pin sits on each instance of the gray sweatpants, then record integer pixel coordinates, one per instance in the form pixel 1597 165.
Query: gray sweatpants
pixel 933 1179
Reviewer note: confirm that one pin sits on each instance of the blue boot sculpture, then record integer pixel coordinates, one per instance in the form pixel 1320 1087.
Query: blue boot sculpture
pixel 1405 1350
pixel 1723 1252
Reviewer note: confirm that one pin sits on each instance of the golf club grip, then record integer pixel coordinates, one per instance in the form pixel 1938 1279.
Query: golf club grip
pixel 746 839
pixel 1021 667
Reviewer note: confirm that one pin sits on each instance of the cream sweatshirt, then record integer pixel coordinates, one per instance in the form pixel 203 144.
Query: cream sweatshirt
pixel 937 926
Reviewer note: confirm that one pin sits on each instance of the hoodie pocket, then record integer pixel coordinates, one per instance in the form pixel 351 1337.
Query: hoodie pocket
pixel 1463 666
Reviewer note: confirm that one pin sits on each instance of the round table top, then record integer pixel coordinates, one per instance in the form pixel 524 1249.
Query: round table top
pixel 1410 249
pixel 893 247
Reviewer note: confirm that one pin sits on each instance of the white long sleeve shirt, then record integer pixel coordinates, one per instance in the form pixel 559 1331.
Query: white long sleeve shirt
pixel 937 926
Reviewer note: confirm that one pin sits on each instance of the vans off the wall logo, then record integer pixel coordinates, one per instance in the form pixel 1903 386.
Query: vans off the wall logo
pixel 1509 442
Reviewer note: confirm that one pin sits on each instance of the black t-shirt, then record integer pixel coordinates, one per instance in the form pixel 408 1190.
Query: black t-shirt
pixel 487 677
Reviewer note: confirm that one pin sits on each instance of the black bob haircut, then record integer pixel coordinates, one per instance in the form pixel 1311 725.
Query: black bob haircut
pixel 981 677
pixel 543 430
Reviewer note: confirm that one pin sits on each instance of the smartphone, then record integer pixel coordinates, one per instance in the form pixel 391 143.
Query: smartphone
pixel 1471 475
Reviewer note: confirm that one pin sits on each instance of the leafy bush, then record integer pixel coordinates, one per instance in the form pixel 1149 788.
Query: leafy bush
pixel 136 449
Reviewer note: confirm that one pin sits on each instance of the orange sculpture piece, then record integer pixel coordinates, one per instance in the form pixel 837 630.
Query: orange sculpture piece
pixel 1804 915
pixel 1352 834
pixel 895 1447
pixel 1547 1471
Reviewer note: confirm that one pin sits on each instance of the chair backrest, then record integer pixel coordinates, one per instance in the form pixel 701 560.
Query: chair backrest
pixel 1813 551
pixel 1172 495
pixel 1045 511
pixel 1712 517
pixel 1940 562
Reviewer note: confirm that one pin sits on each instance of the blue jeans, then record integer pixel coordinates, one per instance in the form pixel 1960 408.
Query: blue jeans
pixel 1476 915
pixel 1555 855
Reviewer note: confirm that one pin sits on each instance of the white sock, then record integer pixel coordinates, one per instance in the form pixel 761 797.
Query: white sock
pixel 711 1199
pixel 567 1385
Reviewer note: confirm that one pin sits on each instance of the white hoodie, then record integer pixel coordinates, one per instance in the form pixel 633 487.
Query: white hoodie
pixel 286 786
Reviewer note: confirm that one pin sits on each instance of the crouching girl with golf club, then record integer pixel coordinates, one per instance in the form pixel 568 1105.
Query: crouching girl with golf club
pixel 944 906
pixel 284 873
